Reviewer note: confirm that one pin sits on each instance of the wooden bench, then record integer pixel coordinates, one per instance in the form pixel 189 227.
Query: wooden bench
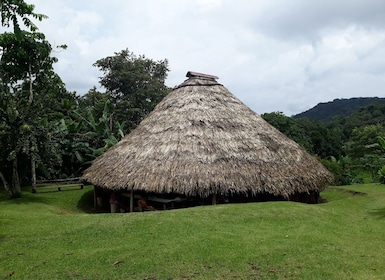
pixel 59 184
pixel 165 201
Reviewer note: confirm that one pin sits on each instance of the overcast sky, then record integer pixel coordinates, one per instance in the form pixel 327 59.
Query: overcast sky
pixel 275 55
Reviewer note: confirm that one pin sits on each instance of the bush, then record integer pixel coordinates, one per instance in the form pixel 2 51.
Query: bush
pixel 381 174
pixel 342 174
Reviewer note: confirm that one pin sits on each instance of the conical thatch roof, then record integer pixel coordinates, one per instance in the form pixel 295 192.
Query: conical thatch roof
pixel 202 140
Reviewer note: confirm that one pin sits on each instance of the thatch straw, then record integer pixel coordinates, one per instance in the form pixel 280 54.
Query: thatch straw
pixel 202 140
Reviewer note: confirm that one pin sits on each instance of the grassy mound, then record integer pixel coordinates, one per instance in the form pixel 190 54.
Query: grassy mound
pixel 52 235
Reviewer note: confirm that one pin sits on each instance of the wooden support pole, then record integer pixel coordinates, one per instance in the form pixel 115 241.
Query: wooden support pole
pixel 214 199
pixel 132 201
pixel 95 199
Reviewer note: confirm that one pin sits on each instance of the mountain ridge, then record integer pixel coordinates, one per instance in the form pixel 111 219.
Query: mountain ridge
pixel 325 111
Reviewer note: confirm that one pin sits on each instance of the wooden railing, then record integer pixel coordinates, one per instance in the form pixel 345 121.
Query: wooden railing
pixel 59 184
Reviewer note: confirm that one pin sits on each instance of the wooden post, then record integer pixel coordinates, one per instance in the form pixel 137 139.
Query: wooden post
pixel 95 201
pixel 132 201
pixel 214 199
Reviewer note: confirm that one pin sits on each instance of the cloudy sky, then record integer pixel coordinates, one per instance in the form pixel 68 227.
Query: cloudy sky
pixel 275 55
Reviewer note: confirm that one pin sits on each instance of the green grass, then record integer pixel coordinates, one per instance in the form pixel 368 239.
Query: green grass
pixel 54 235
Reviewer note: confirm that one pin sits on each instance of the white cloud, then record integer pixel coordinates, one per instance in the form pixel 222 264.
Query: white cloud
pixel 275 55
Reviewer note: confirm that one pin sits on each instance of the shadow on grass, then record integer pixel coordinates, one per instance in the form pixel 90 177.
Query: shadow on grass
pixel 26 198
pixel 378 213
pixel 86 204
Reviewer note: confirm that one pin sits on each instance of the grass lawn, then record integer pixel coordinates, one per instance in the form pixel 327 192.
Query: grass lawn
pixel 53 235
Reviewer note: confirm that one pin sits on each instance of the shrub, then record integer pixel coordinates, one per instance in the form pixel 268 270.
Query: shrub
pixel 342 174
pixel 381 174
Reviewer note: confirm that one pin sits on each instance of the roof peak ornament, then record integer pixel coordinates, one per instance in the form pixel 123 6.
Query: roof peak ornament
pixel 191 74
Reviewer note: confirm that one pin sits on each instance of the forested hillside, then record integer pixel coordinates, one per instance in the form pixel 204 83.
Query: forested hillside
pixel 338 107
pixel 347 144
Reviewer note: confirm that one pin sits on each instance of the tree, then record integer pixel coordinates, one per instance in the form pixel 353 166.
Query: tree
pixel 313 135
pixel 362 140
pixel 340 168
pixel 95 101
pixel 364 149
pixel 25 66
pixel 135 84
pixel 289 127
pixel 324 142
pixel 381 171
pixel 13 10
pixel 99 133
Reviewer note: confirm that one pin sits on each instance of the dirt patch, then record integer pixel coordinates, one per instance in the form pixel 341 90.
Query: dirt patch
pixel 354 193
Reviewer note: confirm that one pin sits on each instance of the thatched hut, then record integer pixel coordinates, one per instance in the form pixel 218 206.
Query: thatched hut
pixel 201 140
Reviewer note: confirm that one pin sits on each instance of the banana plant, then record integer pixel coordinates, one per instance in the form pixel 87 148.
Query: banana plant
pixel 100 133
pixel 381 141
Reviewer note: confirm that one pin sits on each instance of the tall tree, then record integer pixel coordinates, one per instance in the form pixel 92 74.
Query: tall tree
pixel 12 11
pixel 25 65
pixel 135 85
pixel 364 141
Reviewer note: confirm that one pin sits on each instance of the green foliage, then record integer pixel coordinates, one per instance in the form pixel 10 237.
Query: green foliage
pixel 363 141
pixel 135 84
pixel 290 127
pixel 99 134
pixel 14 10
pixel 30 95
pixel 312 135
pixel 372 163
pixel 24 55
pixel 340 169
pixel 94 101
pixel 44 126
pixel 381 171
pixel 370 115
pixel 358 136
pixel 381 142
pixel 381 174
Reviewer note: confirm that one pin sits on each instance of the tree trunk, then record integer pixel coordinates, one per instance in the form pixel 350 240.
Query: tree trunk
pixel 30 83
pixel 111 122
pixel 16 189
pixel 33 173
pixel 4 183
